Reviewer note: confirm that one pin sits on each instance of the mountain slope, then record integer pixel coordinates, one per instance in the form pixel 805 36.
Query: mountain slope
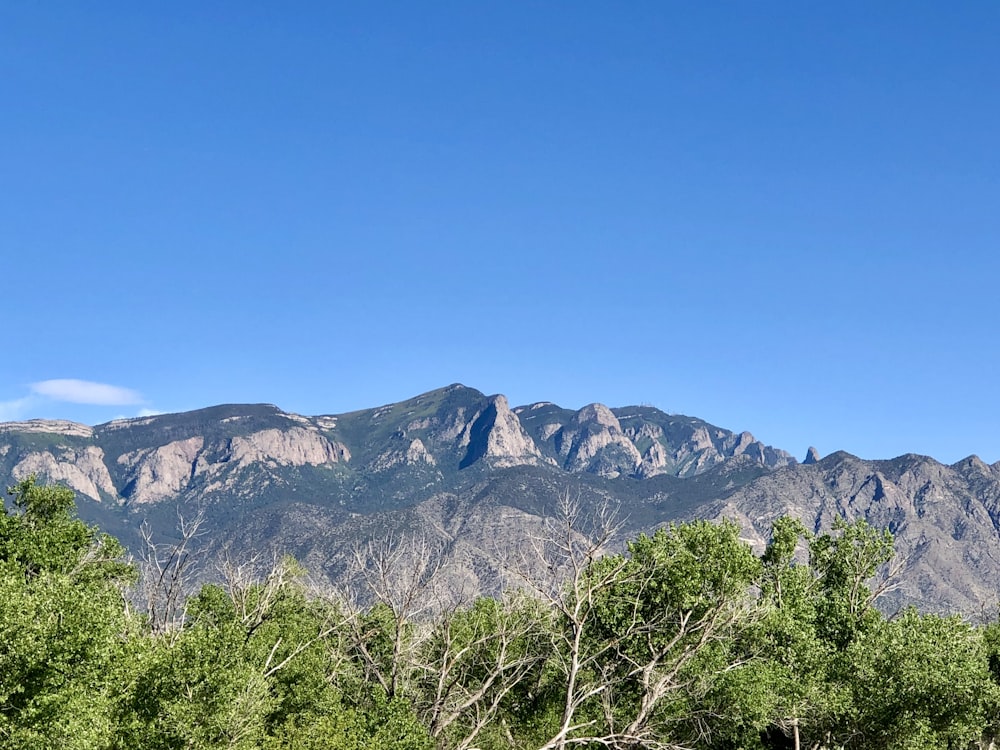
pixel 474 476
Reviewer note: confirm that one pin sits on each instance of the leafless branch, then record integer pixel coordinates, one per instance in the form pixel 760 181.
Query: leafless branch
pixel 168 572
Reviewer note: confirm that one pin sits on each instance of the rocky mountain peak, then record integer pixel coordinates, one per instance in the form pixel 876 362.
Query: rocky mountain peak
pixel 598 414
pixel 311 485
pixel 496 434
pixel 593 442
pixel 974 463
pixel 812 457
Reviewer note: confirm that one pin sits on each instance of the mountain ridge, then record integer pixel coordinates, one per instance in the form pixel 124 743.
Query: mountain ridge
pixel 450 462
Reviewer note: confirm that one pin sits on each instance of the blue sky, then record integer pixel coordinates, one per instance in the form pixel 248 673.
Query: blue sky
pixel 780 217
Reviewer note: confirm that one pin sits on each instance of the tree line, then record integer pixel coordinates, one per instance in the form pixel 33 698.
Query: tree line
pixel 686 639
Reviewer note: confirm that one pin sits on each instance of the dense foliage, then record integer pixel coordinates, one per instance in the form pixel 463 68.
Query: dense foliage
pixel 684 640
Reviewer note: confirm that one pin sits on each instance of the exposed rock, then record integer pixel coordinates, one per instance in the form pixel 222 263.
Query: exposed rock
pixel 82 469
pixel 128 423
pixel 812 457
pixel 701 440
pixel 598 414
pixel 654 461
pixel 590 446
pixel 325 422
pixel 51 426
pixel 417 453
pixel 694 447
pixel 422 424
pixel 162 472
pixel 550 429
pixel 296 446
pixel 410 455
pixel 496 434
pixel 456 428
pixel 644 431
pixel 594 442
pixel 245 465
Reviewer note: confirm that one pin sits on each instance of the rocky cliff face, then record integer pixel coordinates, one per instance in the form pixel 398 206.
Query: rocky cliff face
pixel 496 435
pixel 594 442
pixel 465 469
pixel 81 468
pixel 162 472
pixel 168 471
pixel 640 442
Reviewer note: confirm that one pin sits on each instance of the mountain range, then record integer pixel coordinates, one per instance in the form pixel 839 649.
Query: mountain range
pixel 473 475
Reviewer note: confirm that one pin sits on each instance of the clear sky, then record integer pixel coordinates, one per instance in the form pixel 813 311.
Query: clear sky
pixel 779 217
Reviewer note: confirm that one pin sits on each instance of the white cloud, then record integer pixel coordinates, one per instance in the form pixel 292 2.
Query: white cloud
pixel 148 413
pixel 86 392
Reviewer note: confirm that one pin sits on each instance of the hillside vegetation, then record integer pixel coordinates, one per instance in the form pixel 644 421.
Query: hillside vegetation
pixel 687 639
pixel 473 475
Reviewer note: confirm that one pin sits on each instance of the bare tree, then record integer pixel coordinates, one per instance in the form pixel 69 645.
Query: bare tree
pixel 397 576
pixel 554 566
pixel 475 656
pixel 168 572
pixel 454 655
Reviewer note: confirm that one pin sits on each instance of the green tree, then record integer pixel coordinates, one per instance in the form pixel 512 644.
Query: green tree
pixel 792 660
pixel 920 682
pixel 846 563
pixel 843 676
pixel 259 664
pixel 674 616
pixel 63 623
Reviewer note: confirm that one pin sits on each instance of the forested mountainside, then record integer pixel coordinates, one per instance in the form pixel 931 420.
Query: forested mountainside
pixel 471 475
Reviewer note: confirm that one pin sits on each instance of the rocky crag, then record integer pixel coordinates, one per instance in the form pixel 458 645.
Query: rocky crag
pixel 473 476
